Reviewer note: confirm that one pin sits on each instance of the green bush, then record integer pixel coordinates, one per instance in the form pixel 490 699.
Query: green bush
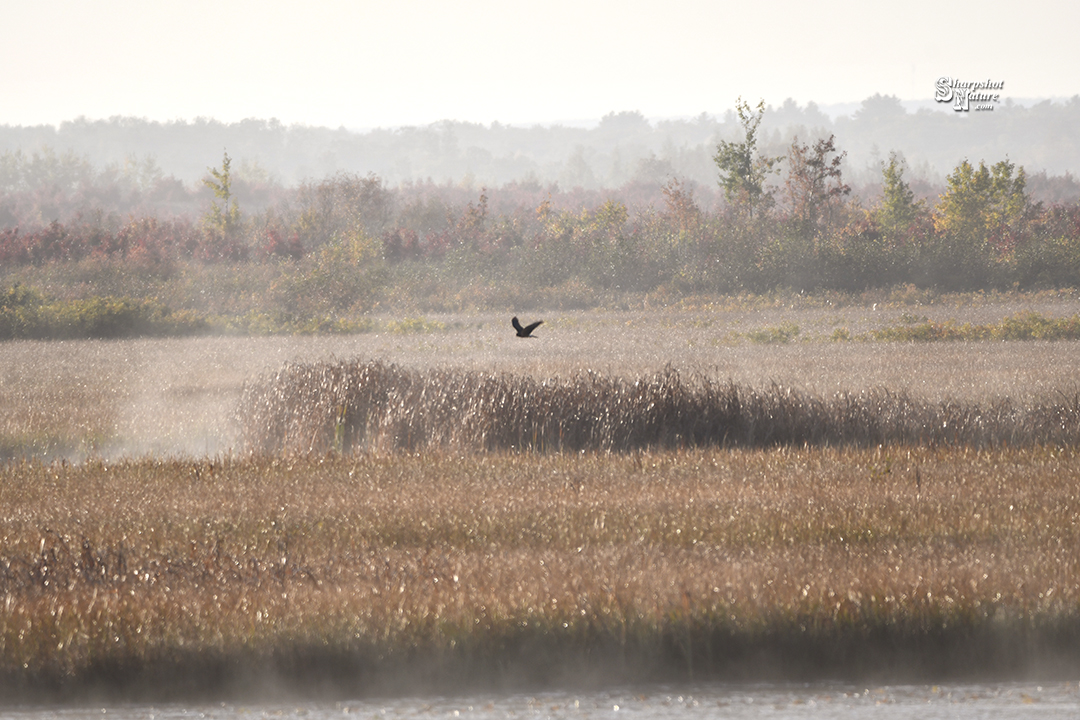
pixel 1053 262
pixel 782 333
pixel 1022 326
pixel 26 314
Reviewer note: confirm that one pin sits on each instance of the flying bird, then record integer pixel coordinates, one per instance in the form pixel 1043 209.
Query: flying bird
pixel 527 330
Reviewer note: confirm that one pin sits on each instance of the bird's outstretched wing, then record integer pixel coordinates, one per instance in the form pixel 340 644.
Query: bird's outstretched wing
pixel 529 328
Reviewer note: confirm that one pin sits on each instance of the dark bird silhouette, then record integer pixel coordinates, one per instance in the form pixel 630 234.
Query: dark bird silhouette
pixel 527 330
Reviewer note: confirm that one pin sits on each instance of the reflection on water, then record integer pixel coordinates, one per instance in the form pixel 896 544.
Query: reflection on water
pixel 925 702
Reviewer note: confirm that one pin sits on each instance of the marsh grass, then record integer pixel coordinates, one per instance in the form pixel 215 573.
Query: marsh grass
pixel 85 398
pixel 359 406
pixel 55 408
pixel 785 332
pixel 368 573
pixel 1028 325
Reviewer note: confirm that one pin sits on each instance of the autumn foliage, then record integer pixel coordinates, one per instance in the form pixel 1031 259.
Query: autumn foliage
pixel 346 244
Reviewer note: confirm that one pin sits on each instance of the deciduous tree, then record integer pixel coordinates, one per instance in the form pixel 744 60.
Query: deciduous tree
pixel 341 205
pixel 743 170
pixel 984 205
pixel 814 183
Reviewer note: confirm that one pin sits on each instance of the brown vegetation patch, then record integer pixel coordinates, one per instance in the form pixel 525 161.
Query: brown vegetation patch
pixel 496 570
pixel 359 405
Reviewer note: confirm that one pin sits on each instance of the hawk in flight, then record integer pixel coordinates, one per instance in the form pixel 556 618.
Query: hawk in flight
pixel 527 330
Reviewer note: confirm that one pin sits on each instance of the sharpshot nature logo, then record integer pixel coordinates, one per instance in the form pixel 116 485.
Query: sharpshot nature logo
pixel 966 95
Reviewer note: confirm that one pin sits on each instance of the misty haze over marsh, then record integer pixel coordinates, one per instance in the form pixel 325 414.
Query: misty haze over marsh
pixel 167 396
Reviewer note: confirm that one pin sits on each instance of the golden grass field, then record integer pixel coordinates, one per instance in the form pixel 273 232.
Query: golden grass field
pixel 140 572
pixel 374 572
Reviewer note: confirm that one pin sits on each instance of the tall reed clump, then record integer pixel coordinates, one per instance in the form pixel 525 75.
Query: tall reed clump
pixel 358 406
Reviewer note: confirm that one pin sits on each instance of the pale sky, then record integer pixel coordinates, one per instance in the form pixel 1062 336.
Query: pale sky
pixel 389 63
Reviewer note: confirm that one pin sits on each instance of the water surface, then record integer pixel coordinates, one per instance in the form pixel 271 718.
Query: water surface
pixel 925 702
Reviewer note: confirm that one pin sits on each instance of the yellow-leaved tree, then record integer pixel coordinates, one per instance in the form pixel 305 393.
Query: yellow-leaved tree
pixel 984 206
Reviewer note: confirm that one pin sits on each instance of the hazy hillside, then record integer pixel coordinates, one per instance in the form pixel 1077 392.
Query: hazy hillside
pixel 620 148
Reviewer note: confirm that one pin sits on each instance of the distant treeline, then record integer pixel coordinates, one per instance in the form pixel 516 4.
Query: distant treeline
pixel 621 148
pixel 339 247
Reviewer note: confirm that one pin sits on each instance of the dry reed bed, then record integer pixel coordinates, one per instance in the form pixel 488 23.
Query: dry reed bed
pixel 358 405
pixel 496 568
pixel 129 398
